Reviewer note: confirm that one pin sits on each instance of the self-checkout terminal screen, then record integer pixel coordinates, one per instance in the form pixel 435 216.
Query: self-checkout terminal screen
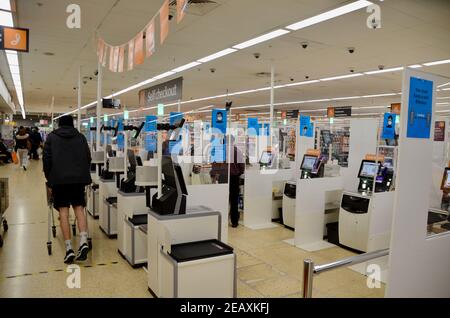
pixel 308 163
pixel 266 158
pixel 369 170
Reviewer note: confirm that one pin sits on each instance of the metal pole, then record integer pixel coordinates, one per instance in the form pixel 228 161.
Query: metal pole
pixel 308 272
pixel 52 107
pixel 79 100
pixel 179 106
pixel 99 104
pixel 272 97
pixel 160 155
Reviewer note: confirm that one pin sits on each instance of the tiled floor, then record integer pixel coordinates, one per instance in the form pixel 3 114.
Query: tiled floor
pixel 267 267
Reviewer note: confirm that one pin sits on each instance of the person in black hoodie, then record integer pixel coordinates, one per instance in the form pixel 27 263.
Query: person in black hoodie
pixel 67 161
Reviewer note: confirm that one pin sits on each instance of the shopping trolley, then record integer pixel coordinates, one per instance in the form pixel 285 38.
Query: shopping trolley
pixel 52 226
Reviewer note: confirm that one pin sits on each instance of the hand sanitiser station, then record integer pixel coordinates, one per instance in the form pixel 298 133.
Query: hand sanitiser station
pixel 185 252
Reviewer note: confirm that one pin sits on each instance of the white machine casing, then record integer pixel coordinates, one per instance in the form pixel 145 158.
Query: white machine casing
pixel 107 214
pixel 369 231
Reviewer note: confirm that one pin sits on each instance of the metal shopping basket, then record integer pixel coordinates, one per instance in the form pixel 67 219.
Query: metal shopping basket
pixel 52 226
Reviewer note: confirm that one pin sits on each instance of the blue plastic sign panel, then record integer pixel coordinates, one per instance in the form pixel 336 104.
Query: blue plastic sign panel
pixel 388 126
pixel 151 142
pixel 150 123
pixel 306 127
pixel 218 145
pixel 120 137
pixel 252 126
pixel 175 146
pixel 420 108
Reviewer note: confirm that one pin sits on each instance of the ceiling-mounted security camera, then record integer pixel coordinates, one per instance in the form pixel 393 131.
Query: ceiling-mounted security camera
pixel 351 50
pixel 307 77
pixel 352 70
pixel 212 70
pixel 292 79
pixel 381 67
pixel 95 72
pixel 257 55
pixel 228 104
pixel 304 45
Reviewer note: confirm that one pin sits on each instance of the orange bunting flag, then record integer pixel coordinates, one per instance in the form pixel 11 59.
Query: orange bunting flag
pixel 150 39
pixel 131 55
pixel 164 21
pixel 181 9
pixel 121 59
pixel 139 49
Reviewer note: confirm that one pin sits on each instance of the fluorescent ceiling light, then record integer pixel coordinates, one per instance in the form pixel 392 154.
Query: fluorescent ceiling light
pixel 442 103
pixel 260 39
pixel 163 75
pixel 446 89
pixel 6 19
pixel 345 98
pixel 415 66
pixel 301 83
pixel 12 58
pixel 5 5
pixel 394 69
pixel 446 97
pixel 436 63
pixel 15 69
pixel 185 67
pixel 216 55
pixel 379 95
pixel 444 85
pixel 329 15
pixel 340 77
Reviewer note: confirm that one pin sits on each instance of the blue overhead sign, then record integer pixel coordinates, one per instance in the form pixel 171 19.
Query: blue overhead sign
pixel 389 126
pixel 420 108
pixel 306 127
pixel 252 126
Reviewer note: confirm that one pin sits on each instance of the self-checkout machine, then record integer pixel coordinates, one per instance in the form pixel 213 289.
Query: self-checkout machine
pixel 366 212
pixel 317 197
pixel 262 176
pixel 185 250
pixel 92 191
pixel 110 177
pixel 131 200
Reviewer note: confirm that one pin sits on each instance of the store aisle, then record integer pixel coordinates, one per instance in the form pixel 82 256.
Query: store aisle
pixel 267 266
pixel 104 274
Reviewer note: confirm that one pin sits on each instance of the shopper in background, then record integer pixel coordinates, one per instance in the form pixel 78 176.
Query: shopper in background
pixel 219 173
pixel 22 147
pixel 5 155
pixel 237 168
pixel 36 141
pixel 67 161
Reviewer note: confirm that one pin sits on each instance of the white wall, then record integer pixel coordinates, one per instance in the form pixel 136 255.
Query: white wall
pixel 419 266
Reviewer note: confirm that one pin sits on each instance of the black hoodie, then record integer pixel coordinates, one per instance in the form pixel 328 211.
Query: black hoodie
pixel 67 157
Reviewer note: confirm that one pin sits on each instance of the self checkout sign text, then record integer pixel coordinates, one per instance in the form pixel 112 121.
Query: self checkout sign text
pixel 14 39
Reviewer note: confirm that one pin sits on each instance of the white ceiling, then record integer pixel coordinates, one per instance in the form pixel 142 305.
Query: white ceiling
pixel 413 31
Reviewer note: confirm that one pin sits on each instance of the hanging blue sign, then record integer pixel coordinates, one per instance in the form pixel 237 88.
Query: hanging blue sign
pixel 175 146
pixel 120 137
pixel 218 143
pixel 150 123
pixel 388 126
pixel 420 108
pixel 252 127
pixel 306 126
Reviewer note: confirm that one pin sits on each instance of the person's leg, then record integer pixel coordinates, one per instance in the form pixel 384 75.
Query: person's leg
pixel 64 223
pixel 234 197
pixel 79 203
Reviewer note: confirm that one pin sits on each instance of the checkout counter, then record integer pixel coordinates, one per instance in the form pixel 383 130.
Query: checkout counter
pixel 185 248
